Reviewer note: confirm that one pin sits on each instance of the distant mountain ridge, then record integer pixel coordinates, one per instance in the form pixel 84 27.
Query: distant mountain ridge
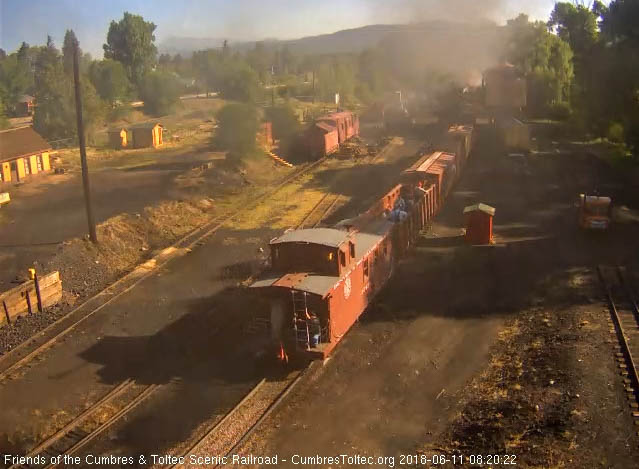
pixel 344 41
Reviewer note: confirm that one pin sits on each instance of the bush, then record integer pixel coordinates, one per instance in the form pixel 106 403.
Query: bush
pixel 237 128
pixel 559 111
pixel 615 132
pixel 160 92
pixel 284 120
pixel 118 113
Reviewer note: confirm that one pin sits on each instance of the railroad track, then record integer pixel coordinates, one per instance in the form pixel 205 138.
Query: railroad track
pixel 245 418
pixel 234 428
pixel 126 396
pixel 320 211
pixel 91 423
pixel 196 237
pixel 622 302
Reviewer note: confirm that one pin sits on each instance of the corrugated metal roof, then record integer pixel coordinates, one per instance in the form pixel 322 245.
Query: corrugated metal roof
pixel 307 282
pixel 324 236
pixel 322 284
pixel 317 284
pixel 365 241
pixel 341 114
pixel 465 129
pixel 423 163
pixel 480 208
pixel 144 125
pixel 326 127
pixel 593 199
pixel 23 141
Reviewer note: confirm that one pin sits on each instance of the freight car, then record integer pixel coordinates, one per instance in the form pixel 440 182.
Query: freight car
pixel 329 131
pixel 322 279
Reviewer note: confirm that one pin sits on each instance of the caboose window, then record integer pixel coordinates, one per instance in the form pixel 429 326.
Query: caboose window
pixel 352 249
pixel 366 269
pixel 342 258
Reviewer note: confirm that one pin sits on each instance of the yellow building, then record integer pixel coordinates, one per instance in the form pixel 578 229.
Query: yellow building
pixel 118 137
pixel 146 135
pixel 23 153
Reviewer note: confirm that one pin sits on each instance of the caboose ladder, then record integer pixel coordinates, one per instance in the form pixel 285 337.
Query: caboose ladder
pixel 300 314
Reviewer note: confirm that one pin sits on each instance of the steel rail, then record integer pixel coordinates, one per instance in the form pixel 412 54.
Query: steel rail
pixel 231 413
pixel 188 241
pixel 621 333
pixel 145 394
pixel 268 411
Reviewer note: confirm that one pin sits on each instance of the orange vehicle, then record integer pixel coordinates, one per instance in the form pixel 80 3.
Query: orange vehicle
pixel 594 212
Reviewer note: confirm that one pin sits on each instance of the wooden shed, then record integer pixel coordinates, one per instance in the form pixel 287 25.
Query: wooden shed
pixel 479 223
pixel 23 153
pixel 146 135
pixel 118 137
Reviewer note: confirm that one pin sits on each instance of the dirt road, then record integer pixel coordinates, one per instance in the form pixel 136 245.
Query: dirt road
pixel 49 210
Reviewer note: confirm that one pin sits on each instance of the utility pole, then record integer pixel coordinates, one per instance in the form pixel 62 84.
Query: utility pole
pixel 313 86
pixel 83 150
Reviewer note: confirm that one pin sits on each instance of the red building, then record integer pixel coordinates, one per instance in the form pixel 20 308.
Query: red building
pixel 479 223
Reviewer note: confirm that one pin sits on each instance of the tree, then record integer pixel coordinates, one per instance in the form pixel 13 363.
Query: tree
pixel 260 60
pixel 546 61
pixel 238 81
pixel 237 128
pixel 54 116
pixel 4 122
pixel 618 73
pixel 110 80
pixel 160 92
pixel 68 49
pixel 285 122
pixel 131 41
pixel 16 80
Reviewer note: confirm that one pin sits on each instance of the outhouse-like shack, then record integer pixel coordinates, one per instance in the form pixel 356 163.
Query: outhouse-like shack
pixel 118 137
pixel 479 223
pixel 147 135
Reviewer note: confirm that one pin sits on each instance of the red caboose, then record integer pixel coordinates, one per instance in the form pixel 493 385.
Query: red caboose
pixel 321 280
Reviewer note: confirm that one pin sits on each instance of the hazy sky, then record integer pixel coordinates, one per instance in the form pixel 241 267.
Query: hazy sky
pixel 32 20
